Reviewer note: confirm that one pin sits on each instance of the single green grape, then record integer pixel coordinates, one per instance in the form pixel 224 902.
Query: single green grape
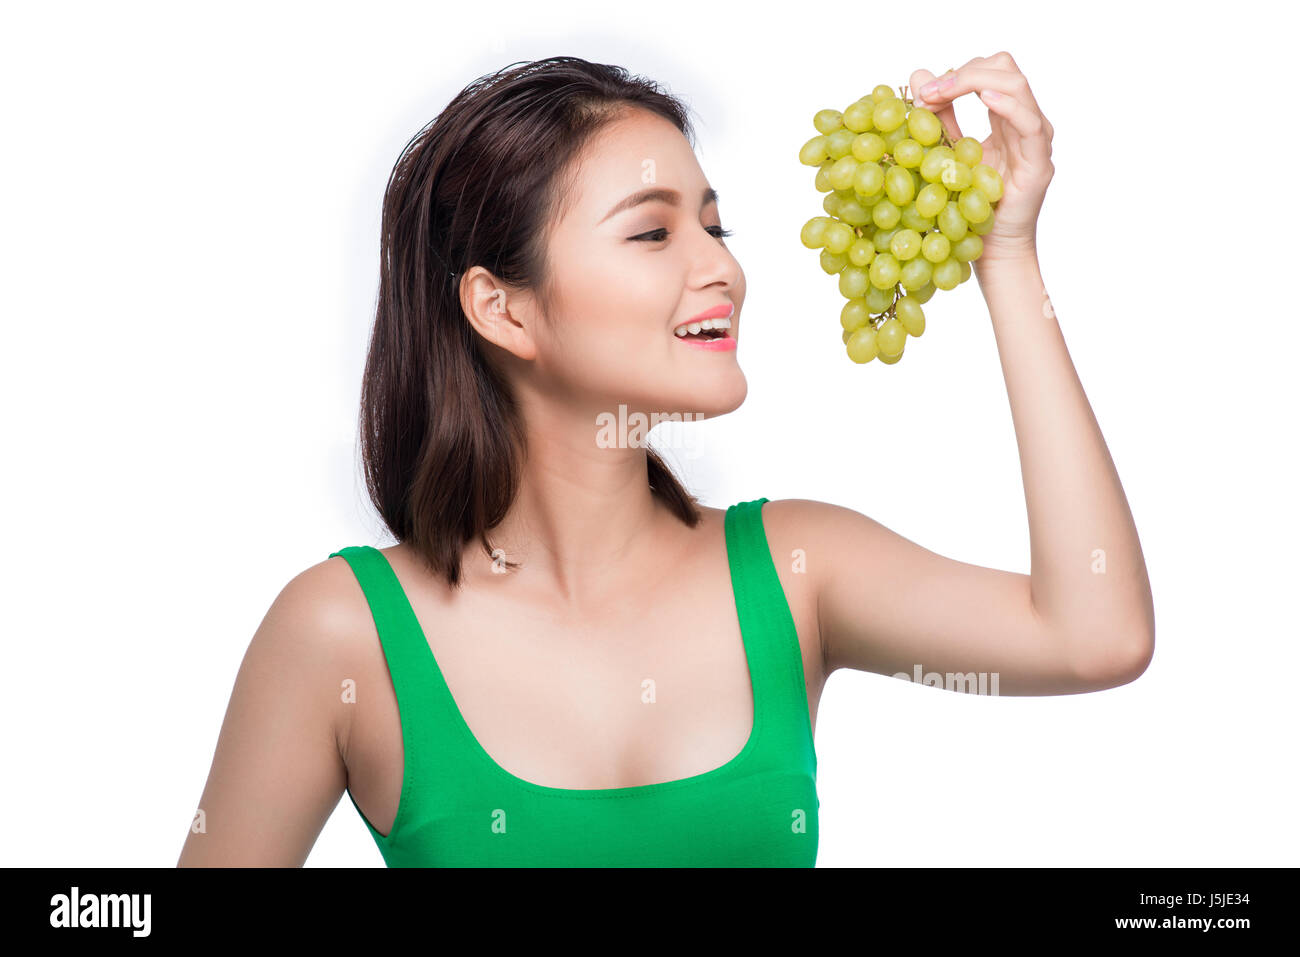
pixel 931 168
pixel 855 314
pixel 854 213
pixel 912 219
pixel 908 153
pixel 947 274
pixel 878 300
pixel 853 281
pixel 974 205
pixel 828 121
pixel 906 244
pixel 935 247
pixel 868 147
pixel 861 344
pixel 956 176
pixel 923 294
pixel 831 203
pixel 839 236
pixel 910 315
pixel 898 186
pixel 857 117
pixel 968 151
pixel 931 199
pixel 833 263
pixel 862 251
pixel 988 181
pixel 882 92
pixel 840 175
pixel 951 222
pixel 868 179
pixel 923 126
pixel 821 182
pixel 968 248
pixel 839 143
pixel 813 234
pixel 815 151
pixel 965 271
pixel 916 273
pixel 891 337
pixel 885 214
pixel 889 114
pixel 883 272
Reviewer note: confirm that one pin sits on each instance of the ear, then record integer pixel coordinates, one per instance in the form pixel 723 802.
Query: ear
pixel 500 314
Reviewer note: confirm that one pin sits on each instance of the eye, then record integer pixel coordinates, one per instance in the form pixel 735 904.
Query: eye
pixel 655 237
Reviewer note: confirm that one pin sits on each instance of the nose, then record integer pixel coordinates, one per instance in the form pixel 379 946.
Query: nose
pixel 715 264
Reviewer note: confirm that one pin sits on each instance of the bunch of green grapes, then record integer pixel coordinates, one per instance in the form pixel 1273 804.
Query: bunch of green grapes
pixel 905 210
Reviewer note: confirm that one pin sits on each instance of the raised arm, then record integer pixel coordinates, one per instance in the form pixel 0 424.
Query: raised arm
pixel 1083 619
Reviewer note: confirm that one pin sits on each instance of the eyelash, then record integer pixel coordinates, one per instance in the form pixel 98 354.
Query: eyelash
pixel 718 235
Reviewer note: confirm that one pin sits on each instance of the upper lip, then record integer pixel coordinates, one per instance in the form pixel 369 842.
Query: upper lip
pixel 722 311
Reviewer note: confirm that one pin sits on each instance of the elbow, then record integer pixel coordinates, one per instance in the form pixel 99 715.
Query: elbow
pixel 1138 658
pixel 1110 666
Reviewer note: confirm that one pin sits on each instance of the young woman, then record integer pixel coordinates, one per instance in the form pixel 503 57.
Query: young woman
pixel 566 660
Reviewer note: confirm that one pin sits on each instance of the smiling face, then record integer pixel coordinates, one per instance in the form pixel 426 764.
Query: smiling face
pixel 623 275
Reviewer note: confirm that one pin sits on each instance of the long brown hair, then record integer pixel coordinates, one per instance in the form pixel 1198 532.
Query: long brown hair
pixel 442 437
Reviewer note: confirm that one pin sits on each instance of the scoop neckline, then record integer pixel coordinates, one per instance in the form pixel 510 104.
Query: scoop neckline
pixel 634 790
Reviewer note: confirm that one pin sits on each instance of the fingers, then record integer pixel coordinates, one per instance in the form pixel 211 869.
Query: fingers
pixel 1004 90
pixel 973 79
pixel 918 79
pixel 1028 123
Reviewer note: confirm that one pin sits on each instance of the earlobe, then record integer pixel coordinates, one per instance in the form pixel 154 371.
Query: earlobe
pixel 492 318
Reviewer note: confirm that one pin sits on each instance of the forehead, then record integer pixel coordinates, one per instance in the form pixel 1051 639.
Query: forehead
pixel 628 155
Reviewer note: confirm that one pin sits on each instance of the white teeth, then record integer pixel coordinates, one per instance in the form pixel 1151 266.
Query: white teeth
pixel 694 327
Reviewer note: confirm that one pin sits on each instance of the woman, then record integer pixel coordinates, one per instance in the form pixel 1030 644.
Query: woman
pixel 566 660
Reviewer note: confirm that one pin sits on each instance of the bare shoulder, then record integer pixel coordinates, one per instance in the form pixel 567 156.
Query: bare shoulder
pixel 322 620
pixel 278 768
pixel 787 524
pixel 326 607
pixel 798 528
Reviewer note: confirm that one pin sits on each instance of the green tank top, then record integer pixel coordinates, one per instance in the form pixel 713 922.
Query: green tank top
pixel 459 808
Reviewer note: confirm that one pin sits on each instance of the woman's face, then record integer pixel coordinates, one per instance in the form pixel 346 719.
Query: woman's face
pixel 625 275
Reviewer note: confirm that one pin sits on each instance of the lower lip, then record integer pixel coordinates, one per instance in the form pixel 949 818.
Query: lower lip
pixel 723 344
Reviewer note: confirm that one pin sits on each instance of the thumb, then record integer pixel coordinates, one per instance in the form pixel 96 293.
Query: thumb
pixel 918 79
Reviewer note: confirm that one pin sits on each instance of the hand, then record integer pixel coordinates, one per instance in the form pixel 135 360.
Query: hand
pixel 1019 146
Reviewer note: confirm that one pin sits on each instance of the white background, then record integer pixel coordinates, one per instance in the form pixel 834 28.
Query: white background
pixel 191 201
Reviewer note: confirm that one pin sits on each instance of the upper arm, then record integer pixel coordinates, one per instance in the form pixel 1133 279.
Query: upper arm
pixel 888 605
pixel 278 773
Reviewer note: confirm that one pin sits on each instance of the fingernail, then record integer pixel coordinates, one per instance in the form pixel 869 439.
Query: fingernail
pixel 930 87
pixel 993 95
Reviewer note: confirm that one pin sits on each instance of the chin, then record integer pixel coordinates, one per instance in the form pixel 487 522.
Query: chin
pixel 705 401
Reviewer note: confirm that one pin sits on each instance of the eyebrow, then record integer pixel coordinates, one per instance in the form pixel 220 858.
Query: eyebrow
pixel 658 194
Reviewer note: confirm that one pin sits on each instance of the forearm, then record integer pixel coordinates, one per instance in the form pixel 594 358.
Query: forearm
pixel 1088 574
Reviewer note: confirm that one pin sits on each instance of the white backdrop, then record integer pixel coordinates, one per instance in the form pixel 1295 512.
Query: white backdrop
pixel 191 199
